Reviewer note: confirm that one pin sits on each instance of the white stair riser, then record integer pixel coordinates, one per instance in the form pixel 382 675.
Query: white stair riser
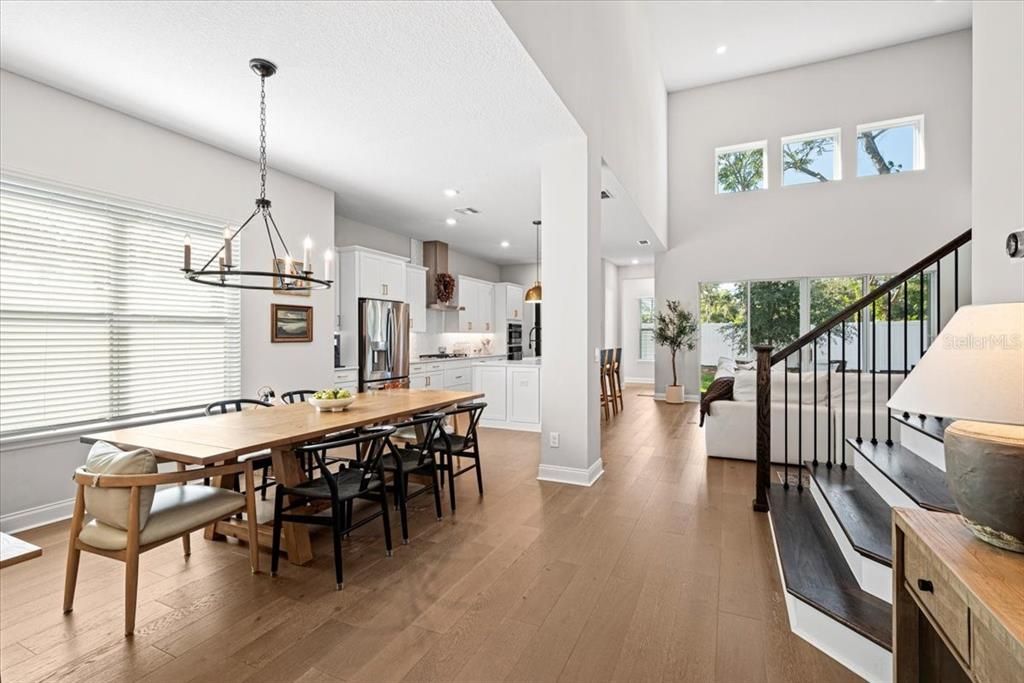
pixel 873 577
pixel 889 492
pixel 931 450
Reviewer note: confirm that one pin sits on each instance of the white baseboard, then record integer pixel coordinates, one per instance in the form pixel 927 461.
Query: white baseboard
pixel 637 380
pixel 687 398
pixel 873 577
pixel 858 654
pixel 571 475
pixel 21 520
pixel 512 426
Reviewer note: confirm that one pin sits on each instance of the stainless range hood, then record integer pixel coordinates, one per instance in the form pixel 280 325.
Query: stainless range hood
pixel 435 258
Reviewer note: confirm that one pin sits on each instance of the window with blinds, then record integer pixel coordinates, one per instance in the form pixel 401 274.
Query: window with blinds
pixel 647 328
pixel 97 321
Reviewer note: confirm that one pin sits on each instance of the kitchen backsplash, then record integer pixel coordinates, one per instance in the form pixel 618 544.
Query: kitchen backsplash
pixel 455 342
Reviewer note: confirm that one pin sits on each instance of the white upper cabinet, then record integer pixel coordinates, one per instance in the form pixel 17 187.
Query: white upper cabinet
pixel 380 276
pixel 416 295
pixel 476 298
pixel 392 276
pixel 366 274
pixel 508 298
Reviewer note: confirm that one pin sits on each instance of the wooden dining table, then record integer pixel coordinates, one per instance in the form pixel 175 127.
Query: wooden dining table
pixel 219 439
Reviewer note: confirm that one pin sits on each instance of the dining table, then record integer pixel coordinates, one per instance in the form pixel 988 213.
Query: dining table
pixel 202 442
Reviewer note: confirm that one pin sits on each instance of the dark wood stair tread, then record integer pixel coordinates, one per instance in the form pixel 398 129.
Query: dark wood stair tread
pixel 929 426
pixel 923 482
pixel 816 572
pixel 863 514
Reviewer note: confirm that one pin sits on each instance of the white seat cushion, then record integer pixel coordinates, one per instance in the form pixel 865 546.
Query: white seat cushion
pixel 176 509
pixel 110 505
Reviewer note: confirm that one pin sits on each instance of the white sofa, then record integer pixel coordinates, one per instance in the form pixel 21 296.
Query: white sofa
pixel 730 428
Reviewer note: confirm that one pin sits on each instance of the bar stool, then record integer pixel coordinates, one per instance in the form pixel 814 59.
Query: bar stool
pixel 617 377
pixel 606 399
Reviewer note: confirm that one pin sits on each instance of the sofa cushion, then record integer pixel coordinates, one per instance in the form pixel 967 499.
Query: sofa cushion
pixel 176 509
pixel 110 505
pixel 726 367
pixel 745 386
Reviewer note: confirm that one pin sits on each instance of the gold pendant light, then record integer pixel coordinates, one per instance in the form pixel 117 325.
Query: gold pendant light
pixel 533 294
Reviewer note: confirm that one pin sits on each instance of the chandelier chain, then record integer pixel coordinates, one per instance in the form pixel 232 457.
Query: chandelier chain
pixel 263 138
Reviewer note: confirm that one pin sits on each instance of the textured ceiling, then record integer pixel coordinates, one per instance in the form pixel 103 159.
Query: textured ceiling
pixel 766 35
pixel 386 103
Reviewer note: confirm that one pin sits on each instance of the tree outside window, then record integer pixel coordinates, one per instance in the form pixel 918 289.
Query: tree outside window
pixel 890 147
pixel 741 168
pixel 811 158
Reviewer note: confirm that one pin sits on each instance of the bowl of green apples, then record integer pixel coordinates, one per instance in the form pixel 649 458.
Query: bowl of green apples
pixel 332 400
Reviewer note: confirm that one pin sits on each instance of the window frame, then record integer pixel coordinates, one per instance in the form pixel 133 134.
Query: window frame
pixel 645 327
pixel 915 120
pixel 743 147
pixel 837 154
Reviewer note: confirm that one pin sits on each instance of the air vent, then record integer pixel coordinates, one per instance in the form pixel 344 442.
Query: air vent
pixel 644 243
pixel 605 194
pixel 467 211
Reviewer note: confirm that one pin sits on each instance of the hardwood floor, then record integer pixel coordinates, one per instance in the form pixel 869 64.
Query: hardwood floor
pixel 660 571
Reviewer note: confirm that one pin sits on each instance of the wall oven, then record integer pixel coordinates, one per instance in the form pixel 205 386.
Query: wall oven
pixel 515 341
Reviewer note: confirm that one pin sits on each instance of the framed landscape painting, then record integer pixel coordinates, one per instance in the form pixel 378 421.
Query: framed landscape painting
pixel 291 323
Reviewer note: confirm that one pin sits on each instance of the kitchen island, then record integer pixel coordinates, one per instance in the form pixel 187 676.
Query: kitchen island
pixel 512 391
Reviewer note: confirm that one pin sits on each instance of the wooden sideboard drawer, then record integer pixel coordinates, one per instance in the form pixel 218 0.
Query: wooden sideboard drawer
pixel 942 599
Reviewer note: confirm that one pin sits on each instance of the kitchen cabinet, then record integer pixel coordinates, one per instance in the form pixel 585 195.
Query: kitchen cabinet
pixel 416 296
pixel 508 300
pixel 524 395
pixel 378 275
pixel 476 298
pixel 345 378
pixel 491 381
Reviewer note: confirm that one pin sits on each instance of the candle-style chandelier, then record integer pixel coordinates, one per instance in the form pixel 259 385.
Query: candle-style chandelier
pixel 286 274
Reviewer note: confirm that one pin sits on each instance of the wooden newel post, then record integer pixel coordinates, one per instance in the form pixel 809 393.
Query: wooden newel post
pixel 764 426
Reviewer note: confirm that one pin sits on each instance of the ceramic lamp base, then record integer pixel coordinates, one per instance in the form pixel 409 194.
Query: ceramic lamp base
pixel 985 474
pixel 674 393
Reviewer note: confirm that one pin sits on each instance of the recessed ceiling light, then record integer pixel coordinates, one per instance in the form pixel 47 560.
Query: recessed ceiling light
pixel 636 261
pixel 504 244
pixel 451 192
pixel 720 50
pixel 450 221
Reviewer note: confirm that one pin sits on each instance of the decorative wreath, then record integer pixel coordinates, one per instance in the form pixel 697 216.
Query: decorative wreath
pixel 444 287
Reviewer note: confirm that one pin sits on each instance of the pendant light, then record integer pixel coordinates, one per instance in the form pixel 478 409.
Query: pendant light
pixel 533 294
pixel 281 277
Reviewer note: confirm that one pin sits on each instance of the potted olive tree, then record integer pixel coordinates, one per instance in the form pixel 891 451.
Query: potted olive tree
pixel 675 328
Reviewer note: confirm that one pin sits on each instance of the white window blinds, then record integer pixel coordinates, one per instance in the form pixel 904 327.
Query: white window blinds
pixel 97 321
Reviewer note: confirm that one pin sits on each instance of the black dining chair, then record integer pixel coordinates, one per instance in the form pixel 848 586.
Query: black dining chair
pixel 338 490
pixel 462 446
pixel 302 396
pixel 419 457
pixel 261 459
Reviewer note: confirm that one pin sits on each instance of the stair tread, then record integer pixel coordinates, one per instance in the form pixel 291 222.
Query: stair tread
pixel 863 514
pixel 923 482
pixel 815 570
pixel 929 426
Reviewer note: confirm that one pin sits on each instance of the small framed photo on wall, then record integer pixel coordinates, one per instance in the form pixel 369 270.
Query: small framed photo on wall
pixel 291 323
pixel 286 285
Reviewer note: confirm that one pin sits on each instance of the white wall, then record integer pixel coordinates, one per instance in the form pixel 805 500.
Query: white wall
pixel 599 58
pixel 998 168
pixel 857 225
pixel 631 291
pixel 351 233
pixel 612 307
pixel 49 134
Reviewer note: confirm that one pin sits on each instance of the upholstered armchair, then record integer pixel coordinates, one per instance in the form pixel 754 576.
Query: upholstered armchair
pixel 123 515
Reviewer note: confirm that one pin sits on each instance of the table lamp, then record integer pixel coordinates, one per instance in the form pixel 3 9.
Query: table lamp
pixel 974 373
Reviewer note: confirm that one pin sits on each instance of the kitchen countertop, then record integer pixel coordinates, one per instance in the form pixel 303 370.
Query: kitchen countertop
pixel 525 362
pixel 497 357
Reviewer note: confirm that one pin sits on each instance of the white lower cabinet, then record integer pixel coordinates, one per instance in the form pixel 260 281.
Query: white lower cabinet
pixel 524 395
pixel 490 380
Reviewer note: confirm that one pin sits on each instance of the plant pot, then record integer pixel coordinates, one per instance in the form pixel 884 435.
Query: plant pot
pixel 674 393
pixel 985 473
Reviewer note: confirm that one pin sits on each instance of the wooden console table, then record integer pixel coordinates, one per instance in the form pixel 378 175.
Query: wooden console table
pixel 958 603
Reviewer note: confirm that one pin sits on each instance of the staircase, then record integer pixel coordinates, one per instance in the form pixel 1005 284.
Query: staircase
pixel 830 512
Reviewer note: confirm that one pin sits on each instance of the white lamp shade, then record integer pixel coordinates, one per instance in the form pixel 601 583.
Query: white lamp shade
pixel 973 371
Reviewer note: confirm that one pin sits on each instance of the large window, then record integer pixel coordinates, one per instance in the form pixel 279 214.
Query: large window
pixel 888 147
pixel 646 328
pixel 96 320
pixel 741 168
pixel 811 158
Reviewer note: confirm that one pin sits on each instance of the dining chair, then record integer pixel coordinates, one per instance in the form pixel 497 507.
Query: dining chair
pixel 261 460
pixel 415 457
pixel 465 445
pixel 122 527
pixel 617 377
pixel 302 396
pixel 602 374
pixel 337 490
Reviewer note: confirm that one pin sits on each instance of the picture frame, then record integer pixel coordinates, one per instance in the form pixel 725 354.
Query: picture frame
pixel 296 287
pixel 291 324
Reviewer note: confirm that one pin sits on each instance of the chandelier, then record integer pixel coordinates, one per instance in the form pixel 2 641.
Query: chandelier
pixel 286 274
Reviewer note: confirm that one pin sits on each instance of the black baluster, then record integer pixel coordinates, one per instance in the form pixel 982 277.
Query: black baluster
pixel 906 332
pixel 828 397
pixel 814 413
pixel 842 401
pixel 874 371
pixel 860 368
pixel 921 318
pixel 888 374
pixel 938 296
pixel 800 416
pixel 785 422
pixel 956 280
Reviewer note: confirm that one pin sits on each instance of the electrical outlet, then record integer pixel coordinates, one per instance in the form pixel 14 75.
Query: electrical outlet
pixel 553 439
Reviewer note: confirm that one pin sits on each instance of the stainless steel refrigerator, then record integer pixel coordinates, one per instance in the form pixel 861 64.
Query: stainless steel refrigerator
pixel 383 344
